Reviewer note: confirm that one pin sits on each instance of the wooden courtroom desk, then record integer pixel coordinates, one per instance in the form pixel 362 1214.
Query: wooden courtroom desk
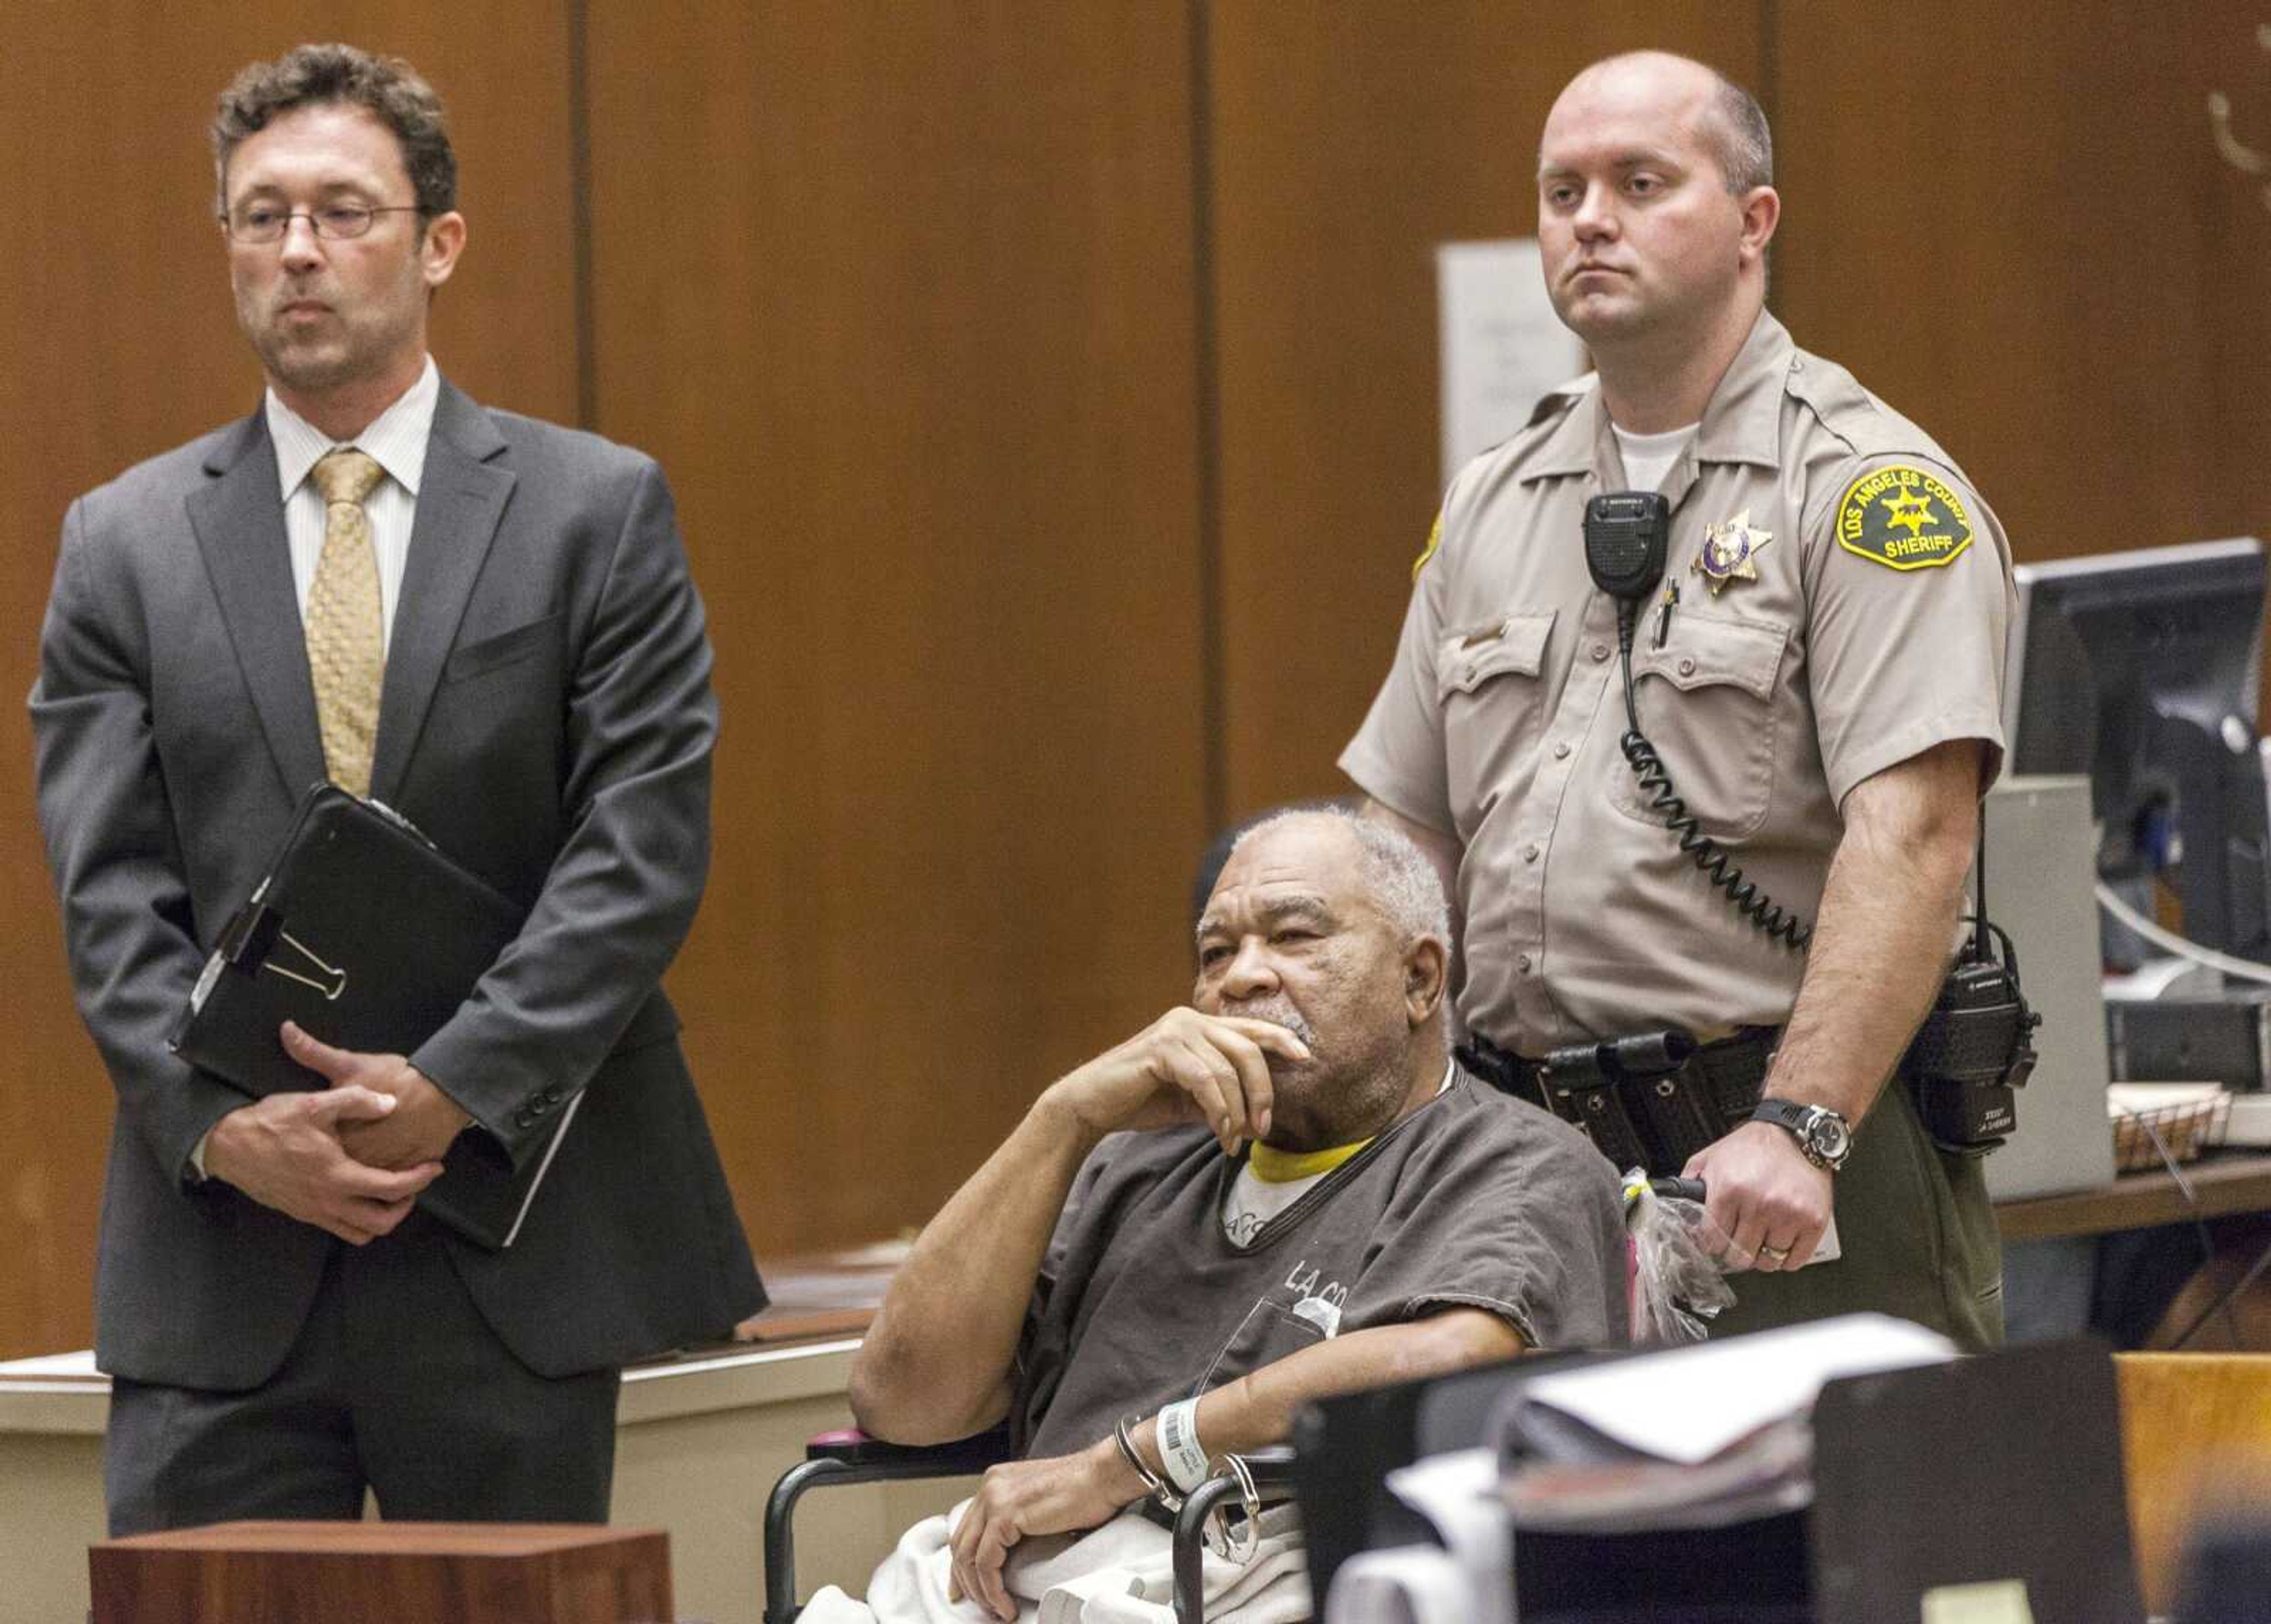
pixel 381 1573
pixel 700 1439
pixel 2223 1182
pixel 2196 1443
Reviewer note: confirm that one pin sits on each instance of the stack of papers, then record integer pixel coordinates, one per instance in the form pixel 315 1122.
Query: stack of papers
pixel 2141 1099
pixel 2250 1122
pixel 1695 1437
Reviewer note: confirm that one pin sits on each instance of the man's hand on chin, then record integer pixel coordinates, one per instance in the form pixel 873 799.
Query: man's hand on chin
pixel 1184 1067
pixel 1055 1495
pixel 417 1130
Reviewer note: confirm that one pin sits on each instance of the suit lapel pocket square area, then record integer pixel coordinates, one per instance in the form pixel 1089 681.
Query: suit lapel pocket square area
pixel 501 650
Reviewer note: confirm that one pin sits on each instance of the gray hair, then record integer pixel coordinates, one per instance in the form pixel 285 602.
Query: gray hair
pixel 1397 877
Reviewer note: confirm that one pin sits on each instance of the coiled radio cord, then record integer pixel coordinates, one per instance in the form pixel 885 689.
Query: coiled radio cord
pixel 1656 783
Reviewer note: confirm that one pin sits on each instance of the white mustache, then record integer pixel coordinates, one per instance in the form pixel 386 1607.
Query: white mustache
pixel 1277 1012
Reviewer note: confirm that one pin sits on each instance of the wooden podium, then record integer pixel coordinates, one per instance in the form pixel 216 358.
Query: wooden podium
pixel 384 1573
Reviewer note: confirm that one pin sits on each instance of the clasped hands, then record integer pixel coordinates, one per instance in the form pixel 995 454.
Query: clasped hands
pixel 350 1158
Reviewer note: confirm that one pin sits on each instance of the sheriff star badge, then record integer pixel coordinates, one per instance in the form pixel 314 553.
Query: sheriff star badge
pixel 1728 551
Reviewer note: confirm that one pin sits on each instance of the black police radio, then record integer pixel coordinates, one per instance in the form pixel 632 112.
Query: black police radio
pixel 1975 1046
pixel 1625 537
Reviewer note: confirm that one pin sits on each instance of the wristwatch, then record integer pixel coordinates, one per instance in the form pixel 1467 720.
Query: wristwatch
pixel 1826 1138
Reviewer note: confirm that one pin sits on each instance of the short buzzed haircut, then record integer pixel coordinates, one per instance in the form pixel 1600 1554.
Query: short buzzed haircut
pixel 1740 140
pixel 1734 127
pixel 386 87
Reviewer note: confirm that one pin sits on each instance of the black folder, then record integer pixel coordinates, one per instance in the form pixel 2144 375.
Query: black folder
pixel 370 938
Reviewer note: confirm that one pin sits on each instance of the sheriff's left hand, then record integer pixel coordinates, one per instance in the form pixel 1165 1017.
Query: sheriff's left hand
pixel 1771 1203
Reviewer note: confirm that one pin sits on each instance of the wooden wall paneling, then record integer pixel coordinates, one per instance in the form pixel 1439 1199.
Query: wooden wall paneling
pixel 2012 225
pixel 121 342
pixel 905 301
pixel 2223 50
pixel 1347 142
pixel 902 298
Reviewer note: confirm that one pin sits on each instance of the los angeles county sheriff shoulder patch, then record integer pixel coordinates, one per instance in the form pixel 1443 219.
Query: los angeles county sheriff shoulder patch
pixel 1902 518
pixel 1434 542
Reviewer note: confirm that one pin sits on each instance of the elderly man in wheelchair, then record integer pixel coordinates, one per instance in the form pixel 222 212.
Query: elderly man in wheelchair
pixel 1285 1191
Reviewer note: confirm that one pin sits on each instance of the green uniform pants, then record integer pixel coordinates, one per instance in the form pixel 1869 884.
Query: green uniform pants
pixel 1919 1237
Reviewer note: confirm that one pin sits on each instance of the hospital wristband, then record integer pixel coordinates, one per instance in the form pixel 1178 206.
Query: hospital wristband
pixel 1180 1450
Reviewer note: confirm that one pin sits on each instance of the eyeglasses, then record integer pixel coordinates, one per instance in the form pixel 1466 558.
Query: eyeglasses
pixel 266 222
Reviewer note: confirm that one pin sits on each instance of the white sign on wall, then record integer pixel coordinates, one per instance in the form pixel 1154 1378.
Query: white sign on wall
pixel 1502 345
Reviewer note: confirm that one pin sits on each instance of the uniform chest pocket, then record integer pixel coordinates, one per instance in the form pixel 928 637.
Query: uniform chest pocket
pixel 1487 681
pixel 1268 1333
pixel 1709 703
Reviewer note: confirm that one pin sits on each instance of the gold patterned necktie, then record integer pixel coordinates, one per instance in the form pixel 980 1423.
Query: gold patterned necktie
pixel 347 634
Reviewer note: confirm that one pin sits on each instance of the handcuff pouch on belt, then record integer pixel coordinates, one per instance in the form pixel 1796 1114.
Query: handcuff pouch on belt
pixel 1651 1100
pixel 1655 1099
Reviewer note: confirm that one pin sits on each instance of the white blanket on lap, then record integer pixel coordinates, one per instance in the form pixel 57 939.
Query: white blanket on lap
pixel 1122 1573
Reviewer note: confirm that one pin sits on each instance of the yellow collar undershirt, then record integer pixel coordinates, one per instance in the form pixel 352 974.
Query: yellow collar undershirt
pixel 1275 1167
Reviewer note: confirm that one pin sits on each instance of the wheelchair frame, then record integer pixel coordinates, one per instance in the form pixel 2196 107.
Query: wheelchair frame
pixel 839 1459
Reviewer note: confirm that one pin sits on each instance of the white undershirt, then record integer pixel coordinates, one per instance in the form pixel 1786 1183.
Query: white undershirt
pixel 1648 457
pixel 396 440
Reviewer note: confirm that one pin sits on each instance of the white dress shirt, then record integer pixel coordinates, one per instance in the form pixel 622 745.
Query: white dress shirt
pixel 396 440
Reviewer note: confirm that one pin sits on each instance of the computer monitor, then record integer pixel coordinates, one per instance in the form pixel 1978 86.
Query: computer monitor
pixel 2141 670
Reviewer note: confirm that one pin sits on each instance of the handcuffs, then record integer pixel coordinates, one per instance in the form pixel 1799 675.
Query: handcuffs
pixel 1236 1546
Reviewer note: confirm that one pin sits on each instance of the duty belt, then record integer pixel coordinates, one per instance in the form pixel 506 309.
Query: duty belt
pixel 1648 1101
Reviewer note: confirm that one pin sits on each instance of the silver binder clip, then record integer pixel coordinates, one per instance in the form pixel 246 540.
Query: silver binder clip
pixel 335 979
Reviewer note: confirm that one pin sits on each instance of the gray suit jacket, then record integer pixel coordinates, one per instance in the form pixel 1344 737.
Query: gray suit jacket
pixel 547 720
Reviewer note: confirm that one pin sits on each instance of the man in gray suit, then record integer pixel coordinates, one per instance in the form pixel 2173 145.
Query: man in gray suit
pixel 488 624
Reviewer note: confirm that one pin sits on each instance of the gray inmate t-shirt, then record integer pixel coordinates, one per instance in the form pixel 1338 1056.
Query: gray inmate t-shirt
pixel 1474 1200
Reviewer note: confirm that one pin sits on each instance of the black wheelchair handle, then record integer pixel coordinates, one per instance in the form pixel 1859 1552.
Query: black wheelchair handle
pixel 1678 1189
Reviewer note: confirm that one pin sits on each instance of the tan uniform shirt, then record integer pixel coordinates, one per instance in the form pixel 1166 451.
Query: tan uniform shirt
pixel 1866 625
